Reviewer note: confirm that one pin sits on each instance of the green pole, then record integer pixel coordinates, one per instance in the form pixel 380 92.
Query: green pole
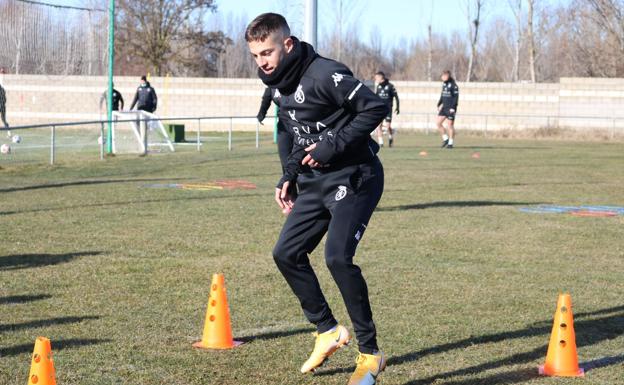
pixel 275 124
pixel 111 65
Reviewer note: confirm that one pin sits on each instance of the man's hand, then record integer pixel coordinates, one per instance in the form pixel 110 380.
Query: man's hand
pixel 452 110
pixel 284 199
pixel 397 111
pixel 308 158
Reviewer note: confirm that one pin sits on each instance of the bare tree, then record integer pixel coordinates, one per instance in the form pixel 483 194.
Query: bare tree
pixel 474 22
pixel 530 38
pixel 516 9
pixel 609 14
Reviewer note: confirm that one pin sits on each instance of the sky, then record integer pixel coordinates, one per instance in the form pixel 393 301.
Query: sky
pixel 394 19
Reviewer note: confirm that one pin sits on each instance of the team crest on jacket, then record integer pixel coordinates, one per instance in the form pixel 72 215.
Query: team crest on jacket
pixel 341 193
pixel 299 95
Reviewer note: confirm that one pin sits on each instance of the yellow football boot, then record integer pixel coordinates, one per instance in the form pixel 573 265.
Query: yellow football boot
pixel 326 344
pixel 368 368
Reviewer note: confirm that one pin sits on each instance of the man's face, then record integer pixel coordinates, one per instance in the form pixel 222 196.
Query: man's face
pixel 445 77
pixel 379 79
pixel 269 53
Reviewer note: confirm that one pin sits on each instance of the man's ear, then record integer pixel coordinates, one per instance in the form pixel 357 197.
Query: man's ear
pixel 289 44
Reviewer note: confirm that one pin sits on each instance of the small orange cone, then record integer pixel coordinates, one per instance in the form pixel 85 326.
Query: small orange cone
pixel 476 155
pixel 562 359
pixel 42 366
pixel 217 328
pixel 423 153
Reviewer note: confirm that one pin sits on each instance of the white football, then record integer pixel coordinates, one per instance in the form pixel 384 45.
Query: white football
pixel 5 149
pixel 16 139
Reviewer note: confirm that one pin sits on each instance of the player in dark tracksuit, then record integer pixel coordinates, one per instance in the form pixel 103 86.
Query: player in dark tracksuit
pixel 118 101
pixel 386 91
pixel 145 98
pixel 284 137
pixel 447 108
pixel 339 180
pixel 3 100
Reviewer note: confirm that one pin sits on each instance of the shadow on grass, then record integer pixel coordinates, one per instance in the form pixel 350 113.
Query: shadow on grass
pixel 276 334
pixel 25 261
pixel 433 205
pixel 13 299
pixel 56 346
pixel 588 332
pixel 126 203
pixel 82 183
pixel 46 322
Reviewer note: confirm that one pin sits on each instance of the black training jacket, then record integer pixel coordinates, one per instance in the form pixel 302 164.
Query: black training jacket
pixel 450 95
pixel 387 93
pixel 335 110
pixel 145 99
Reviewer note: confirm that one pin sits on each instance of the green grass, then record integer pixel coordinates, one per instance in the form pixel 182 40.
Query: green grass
pixel 463 285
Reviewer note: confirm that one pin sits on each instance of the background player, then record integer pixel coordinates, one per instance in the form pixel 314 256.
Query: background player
pixel 447 108
pixel 284 137
pixel 118 101
pixel 339 179
pixel 386 91
pixel 145 98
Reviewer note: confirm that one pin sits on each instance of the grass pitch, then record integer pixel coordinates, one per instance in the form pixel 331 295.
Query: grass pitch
pixel 463 284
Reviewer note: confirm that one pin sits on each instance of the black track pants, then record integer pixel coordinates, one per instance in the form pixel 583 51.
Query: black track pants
pixel 3 115
pixel 339 203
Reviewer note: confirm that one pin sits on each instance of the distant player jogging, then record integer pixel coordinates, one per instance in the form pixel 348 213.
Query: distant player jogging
pixel 339 178
pixel 447 108
pixel 284 137
pixel 3 101
pixel 386 91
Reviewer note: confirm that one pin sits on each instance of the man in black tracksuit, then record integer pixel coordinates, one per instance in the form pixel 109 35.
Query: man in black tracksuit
pixel 145 97
pixel 284 137
pixel 3 100
pixel 339 181
pixel 386 91
pixel 118 101
pixel 447 108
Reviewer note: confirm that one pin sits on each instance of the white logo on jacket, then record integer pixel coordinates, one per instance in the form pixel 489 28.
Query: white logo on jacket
pixel 341 193
pixel 337 78
pixel 292 115
pixel 277 94
pixel 299 95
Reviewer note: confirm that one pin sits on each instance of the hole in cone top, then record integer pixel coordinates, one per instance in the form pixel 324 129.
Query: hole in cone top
pixel 562 343
pixel 213 303
pixel 34 379
pixel 564 309
pixel 37 358
pixel 214 287
pixel 212 318
pixel 563 325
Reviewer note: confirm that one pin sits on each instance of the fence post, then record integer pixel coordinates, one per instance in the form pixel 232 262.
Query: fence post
pixel 198 135
pixel 257 134
pixel 230 135
pixel 102 141
pixel 52 143
pixel 427 126
pixel 486 126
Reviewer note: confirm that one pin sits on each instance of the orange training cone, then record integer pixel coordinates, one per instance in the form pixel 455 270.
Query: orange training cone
pixel 42 366
pixel 217 328
pixel 562 359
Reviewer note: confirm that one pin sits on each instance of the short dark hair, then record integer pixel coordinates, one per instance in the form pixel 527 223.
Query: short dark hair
pixel 381 73
pixel 144 78
pixel 264 25
pixel 447 72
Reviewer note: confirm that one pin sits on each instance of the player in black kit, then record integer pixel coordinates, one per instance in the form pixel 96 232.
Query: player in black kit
pixel 334 168
pixel 386 91
pixel 284 137
pixel 447 108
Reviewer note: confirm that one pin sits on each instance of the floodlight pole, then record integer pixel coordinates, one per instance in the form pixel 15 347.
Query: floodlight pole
pixel 111 66
pixel 310 24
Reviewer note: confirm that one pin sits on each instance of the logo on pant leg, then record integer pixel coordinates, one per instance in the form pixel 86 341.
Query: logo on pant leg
pixel 341 193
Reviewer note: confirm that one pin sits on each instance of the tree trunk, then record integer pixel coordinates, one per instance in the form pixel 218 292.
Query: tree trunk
pixel 430 54
pixel 517 10
pixel 474 39
pixel 531 40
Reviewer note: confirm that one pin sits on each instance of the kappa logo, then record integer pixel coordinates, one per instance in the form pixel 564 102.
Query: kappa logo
pixel 299 95
pixel 277 94
pixel 337 78
pixel 341 193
